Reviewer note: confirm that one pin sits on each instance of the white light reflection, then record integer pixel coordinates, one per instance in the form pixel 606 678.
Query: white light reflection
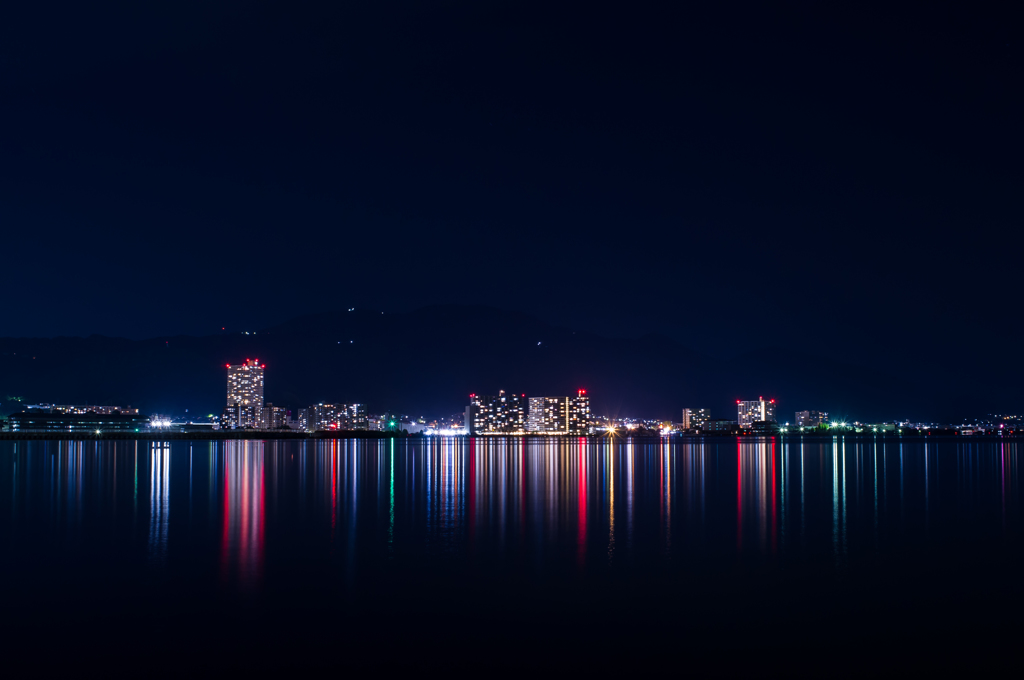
pixel 159 499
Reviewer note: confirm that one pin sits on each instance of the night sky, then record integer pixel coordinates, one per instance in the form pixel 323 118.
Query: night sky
pixel 842 179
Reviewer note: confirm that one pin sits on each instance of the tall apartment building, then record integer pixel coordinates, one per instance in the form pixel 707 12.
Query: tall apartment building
pixel 544 415
pixel 579 414
pixel 548 415
pixel 696 418
pixel 245 395
pixel 503 414
pixel 811 418
pixel 750 412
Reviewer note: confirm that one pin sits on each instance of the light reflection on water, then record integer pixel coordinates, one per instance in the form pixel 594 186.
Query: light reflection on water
pixel 580 504
pixel 159 499
pixel 243 518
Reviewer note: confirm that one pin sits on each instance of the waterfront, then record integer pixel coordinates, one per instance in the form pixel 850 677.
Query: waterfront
pixel 579 552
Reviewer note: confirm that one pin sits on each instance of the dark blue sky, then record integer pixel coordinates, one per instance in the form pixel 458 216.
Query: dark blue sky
pixel 841 178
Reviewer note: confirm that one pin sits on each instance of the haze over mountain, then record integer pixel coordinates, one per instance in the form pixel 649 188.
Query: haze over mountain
pixel 428 361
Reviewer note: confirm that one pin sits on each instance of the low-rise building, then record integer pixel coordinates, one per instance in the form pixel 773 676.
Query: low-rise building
pixel 84 423
pixel 721 426
pixel 764 427
pixel 811 418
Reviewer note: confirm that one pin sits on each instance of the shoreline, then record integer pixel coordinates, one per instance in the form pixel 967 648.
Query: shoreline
pixel 234 435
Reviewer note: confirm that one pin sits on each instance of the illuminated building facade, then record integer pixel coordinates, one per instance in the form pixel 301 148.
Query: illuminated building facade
pixel 750 412
pixel 245 395
pixel 507 414
pixel 38 420
pixel 333 417
pixel 579 413
pixel 274 417
pixel 357 419
pixel 503 414
pixel 696 418
pixel 548 415
pixel 811 418
pixel 76 409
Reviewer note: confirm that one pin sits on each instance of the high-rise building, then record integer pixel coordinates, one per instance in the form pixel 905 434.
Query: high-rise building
pixel 579 413
pixel 245 393
pixel 355 415
pixel 550 415
pixel 503 414
pixel 696 418
pixel 811 418
pixel 559 415
pixel 750 412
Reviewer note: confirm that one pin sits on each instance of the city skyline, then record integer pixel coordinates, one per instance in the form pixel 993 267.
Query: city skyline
pixel 349 356
pixel 544 161
pixel 504 414
pixel 436 337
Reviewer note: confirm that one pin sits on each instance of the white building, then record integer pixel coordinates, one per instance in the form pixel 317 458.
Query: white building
pixel 750 412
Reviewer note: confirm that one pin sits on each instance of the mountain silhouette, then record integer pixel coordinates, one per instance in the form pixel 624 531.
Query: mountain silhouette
pixel 428 361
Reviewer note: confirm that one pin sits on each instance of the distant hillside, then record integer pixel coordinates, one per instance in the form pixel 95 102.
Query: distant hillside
pixel 428 361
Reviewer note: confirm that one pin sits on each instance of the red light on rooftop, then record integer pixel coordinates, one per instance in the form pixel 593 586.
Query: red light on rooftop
pixel 773 401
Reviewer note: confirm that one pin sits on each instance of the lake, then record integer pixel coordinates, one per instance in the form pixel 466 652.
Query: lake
pixel 472 555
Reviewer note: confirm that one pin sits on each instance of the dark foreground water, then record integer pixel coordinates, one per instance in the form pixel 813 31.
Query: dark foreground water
pixel 487 556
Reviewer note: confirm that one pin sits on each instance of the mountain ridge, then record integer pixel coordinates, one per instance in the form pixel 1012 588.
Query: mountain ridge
pixel 427 362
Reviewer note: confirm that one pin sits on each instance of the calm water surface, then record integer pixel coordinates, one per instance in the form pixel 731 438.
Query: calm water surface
pixel 579 553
